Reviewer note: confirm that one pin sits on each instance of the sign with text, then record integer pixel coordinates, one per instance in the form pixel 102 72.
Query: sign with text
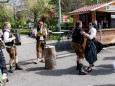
pixel 110 7
pixel 65 18
pixel 113 16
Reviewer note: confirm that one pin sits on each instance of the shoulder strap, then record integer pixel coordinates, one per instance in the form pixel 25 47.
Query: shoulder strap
pixel 38 29
pixel 5 31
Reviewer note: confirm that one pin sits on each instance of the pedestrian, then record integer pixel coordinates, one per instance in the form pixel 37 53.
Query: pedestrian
pixel 91 49
pixel 77 41
pixel 104 23
pixel 3 68
pixel 41 34
pixel 11 48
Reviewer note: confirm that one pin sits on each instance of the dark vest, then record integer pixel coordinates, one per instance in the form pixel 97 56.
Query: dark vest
pixel 77 37
pixel 10 36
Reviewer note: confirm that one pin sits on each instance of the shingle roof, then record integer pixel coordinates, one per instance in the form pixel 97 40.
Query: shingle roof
pixel 91 7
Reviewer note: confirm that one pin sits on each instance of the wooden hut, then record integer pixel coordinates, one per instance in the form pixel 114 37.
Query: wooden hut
pixel 103 15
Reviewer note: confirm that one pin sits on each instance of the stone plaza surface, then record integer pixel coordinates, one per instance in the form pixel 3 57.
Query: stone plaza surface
pixel 65 74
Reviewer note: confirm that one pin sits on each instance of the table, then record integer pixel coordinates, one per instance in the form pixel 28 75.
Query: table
pixel 68 33
pixel 65 30
pixel 60 34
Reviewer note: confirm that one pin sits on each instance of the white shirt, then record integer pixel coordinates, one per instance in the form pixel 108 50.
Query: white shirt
pixel 1 33
pixel 35 32
pixel 92 32
pixel 6 36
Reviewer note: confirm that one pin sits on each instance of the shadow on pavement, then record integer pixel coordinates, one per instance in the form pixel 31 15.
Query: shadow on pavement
pixel 109 58
pixel 103 70
pixel 35 69
pixel 57 72
pixel 106 85
pixel 26 63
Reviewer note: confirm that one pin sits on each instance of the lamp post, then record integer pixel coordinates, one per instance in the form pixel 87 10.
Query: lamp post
pixel 60 19
pixel 97 1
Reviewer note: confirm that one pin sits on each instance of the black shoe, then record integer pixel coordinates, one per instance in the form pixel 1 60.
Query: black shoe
pixel 89 69
pixel 77 67
pixel 7 80
pixel 11 71
pixel 18 67
pixel 81 71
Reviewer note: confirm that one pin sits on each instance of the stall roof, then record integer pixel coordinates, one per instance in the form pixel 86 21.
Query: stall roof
pixel 88 8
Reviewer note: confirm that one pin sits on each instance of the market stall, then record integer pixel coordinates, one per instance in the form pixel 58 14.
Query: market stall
pixel 103 15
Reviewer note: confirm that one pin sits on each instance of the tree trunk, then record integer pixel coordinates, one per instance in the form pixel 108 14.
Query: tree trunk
pixel 50 57
pixel 35 19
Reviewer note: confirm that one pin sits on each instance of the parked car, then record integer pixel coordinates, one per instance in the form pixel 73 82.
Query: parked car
pixel 32 33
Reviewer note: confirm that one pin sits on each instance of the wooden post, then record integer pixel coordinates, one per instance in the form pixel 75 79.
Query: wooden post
pixel 75 19
pixel 50 57
pixel 93 15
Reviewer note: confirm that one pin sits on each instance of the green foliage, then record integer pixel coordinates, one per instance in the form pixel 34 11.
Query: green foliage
pixel 70 5
pixel 53 2
pixel 90 2
pixel 22 21
pixel 5 15
pixel 23 31
pixel 68 25
pixel 11 20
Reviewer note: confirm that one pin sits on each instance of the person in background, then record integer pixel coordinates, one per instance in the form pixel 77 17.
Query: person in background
pixel 11 47
pixel 105 23
pixel 41 34
pixel 2 61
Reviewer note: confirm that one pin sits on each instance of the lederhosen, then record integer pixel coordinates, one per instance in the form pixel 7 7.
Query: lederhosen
pixel 40 43
pixel 10 47
pixel 77 41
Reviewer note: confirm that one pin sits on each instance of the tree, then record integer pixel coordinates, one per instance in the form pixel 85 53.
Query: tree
pixel 70 5
pixel 5 14
pixel 38 9
pixel 89 2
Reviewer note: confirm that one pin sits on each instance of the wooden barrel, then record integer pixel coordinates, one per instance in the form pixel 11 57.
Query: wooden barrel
pixel 50 57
